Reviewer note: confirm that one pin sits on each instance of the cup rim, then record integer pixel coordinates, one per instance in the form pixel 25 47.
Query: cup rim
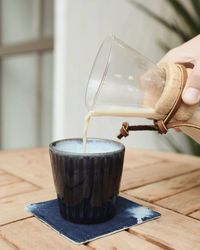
pixel 54 150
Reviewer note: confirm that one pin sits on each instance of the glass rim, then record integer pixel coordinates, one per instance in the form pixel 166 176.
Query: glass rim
pixel 111 38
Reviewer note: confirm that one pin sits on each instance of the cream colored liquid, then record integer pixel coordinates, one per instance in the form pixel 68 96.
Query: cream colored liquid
pixel 143 112
pixel 85 129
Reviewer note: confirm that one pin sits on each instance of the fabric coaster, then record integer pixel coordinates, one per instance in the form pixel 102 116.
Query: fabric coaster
pixel 127 215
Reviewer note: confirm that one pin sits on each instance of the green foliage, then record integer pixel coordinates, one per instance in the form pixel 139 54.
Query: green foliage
pixel 172 27
pixel 196 7
pixel 186 26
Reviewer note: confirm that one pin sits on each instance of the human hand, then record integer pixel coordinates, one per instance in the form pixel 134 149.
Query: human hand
pixel 188 54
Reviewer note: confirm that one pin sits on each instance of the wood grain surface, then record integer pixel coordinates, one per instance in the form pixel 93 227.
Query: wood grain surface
pixel 166 182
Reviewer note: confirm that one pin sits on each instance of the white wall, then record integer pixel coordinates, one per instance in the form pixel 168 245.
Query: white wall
pixel 85 24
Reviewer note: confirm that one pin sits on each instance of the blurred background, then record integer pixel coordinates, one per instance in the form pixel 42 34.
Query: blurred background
pixel 47 48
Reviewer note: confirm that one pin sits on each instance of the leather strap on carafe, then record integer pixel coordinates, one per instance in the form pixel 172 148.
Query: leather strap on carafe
pixel 163 125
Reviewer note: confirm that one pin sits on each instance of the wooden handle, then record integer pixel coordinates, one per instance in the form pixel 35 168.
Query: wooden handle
pixel 176 113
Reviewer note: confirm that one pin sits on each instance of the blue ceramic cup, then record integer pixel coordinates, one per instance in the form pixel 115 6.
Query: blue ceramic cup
pixel 87 184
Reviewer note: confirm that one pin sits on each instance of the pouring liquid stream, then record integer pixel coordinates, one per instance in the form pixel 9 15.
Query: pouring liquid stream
pixel 148 113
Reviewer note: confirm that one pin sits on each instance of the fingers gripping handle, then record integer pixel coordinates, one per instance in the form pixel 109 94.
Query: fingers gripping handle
pixel 168 122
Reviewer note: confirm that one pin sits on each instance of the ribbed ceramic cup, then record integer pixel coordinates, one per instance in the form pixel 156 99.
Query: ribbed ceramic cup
pixel 87 184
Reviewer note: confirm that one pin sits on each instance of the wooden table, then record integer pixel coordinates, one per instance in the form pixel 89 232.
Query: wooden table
pixel 166 182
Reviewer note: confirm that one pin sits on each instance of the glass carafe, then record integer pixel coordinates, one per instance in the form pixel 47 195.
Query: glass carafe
pixel 125 83
pixel 122 81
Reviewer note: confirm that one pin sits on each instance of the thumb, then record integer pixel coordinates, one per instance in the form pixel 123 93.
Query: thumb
pixel 191 93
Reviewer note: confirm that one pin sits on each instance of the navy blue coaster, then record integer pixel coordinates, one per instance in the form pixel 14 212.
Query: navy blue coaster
pixel 127 215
